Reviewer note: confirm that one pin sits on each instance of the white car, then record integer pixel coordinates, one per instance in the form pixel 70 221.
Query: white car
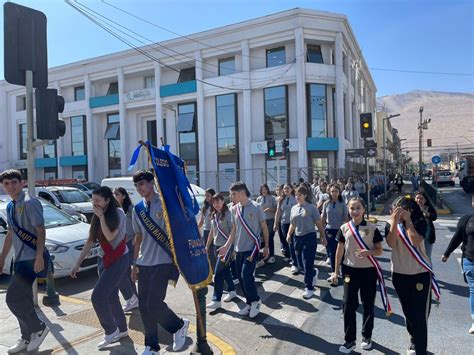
pixel 65 238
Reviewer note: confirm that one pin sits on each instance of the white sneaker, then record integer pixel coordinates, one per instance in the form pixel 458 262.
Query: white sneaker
pixel 179 338
pixel 366 344
pixel 260 263
pixel 108 339
pixel 271 260
pixel 120 335
pixel 230 296
pixel 20 345
pixel 148 351
pixel 471 331
pixel 294 270
pixel 307 294
pixel 130 304
pixel 244 311
pixel 36 339
pixel 214 305
pixel 315 277
pixel 255 309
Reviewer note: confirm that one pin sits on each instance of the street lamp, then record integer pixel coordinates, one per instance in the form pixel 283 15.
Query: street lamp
pixel 422 125
pixel 384 147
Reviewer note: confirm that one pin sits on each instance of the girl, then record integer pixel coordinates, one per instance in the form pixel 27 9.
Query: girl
pixel 284 247
pixel 108 227
pixel 334 216
pixel 405 233
pixel 268 204
pixel 430 215
pixel 349 193
pixel 221 225
pixel 127 286
pixel 205 221
pixel 304 216
pixel 360 276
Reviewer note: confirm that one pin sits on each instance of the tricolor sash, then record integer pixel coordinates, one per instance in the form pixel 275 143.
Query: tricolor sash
pixel 378 268
pixel 250 233
pixel 230 250
pixel 419 259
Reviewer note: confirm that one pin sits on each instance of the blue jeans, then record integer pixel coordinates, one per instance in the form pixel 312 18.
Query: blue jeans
pixel 245 269
pixel 295 258
pixel 305 247
pixel 222 273
pixel 127 287
pixel 468 268
pixel 331 247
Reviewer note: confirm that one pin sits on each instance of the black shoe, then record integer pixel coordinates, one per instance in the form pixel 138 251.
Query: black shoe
pixel 366 343
pixel 347 347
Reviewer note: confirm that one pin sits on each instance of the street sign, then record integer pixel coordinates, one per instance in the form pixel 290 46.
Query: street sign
pixel 370 144
pixel 436 159
pixel 355 153
pixel 371 152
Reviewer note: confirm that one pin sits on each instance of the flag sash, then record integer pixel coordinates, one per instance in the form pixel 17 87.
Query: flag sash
pixel 250 233
pixel 230 250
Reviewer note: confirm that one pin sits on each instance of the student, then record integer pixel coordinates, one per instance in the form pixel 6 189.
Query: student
pixel 349 193
pixel 322 196
pixel 268 204
pixel 399 182
pixel 127 288
pixel 248 221
pixel 412 277
pixel 430 215
pixel 304 216
pixel 108 228
pixel 154 268
pixel 25 218
pixel 221 225
pixel 277 227
pixel 205 221
pixel 360 275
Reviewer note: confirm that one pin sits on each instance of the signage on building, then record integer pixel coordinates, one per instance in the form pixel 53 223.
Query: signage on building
pixel 261 147
pixel 139 95
pixel 355 153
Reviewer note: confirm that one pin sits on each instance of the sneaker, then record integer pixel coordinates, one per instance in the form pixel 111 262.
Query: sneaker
pixel 315 277
pixel 411 350
pixel 260 263
pixel 230 296
pixel 236 281
pixel 120 335
pixel 244 311
pixel 271 260
pixel 328 260
pixel 255 309
pixel 347 347
pixel 130 304
pixel 366 344
pixel 307 294
pixel 149 351
pixel 108 339
pixel 179 337
pixel 295 270
pixel 37 338
pixel 214 305
pixel 20 345
pixel 471 331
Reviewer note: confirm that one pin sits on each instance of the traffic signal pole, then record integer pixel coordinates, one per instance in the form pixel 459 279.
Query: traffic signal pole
pixel 368 173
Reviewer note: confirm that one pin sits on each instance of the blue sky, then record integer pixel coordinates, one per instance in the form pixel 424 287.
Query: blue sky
pixel 414 35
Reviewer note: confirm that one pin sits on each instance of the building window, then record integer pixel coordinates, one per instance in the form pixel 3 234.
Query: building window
pixel 276 113
pixel 23 147
pixel 79 172
pixel 113 88
pixel 112 134
pixel 151 132
pixel 149 82
pixel 347 121
pixel 226 66
pixel 50 173
pixel 317 110
pixel 187 75
pixel 78 135
pixel 276 56
pixel 49 150
pixel 319 164
pixel 227 147
pixel 21 103
pixel 314 54
pixel 188 138
pixel 79 93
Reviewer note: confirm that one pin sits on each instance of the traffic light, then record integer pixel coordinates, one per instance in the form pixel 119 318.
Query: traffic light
pixel 428 142
pixel 48 105
pixel 285 143
pixel 366 125
pixel 271 149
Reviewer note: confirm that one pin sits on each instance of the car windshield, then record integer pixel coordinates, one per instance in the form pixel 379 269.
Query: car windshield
pixel 444 173
pixel 56 218
pixel 91 185
pixel 71 196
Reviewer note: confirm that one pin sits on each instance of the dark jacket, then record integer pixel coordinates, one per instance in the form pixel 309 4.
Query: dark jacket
pixel 464 234
pixel 430 218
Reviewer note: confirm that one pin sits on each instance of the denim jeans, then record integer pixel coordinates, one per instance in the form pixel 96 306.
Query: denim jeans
pixel 468 268
pixel 295 258
pixel 127 286
pixel 222 273
pixel 246 268
pixel 331 247
pixel 305 247
pixel 271 235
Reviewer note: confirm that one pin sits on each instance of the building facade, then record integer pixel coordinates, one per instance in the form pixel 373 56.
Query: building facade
pixel 215 97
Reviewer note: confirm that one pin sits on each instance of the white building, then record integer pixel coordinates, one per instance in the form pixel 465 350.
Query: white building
pixel 215 97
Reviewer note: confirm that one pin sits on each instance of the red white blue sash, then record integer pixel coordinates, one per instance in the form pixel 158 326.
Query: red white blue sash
pixel 419 259
pixel 226 237
pixel 378 268
pixel 251 234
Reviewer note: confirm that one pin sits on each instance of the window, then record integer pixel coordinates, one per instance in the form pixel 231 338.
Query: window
pixel 79 93
pixel 23 147
pixel 50 173
pixel 319 163
pixel 317 110
pixel 188 139
pixel 314 54
pixel 112 134
pixel 347 121
pixel 21 103
pixel 78 135
pixel 49 150
pixel 113 88
pixel 187 75
pixel 151 132
pixel 276 113
pixel 226 66
pixel 276 56
pixel 79 172
pixel 186 122
pixel 149 82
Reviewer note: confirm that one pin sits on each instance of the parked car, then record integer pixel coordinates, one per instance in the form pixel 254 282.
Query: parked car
pixel 444 177
pixel 73 201
pixel 87 187
pixel 65 238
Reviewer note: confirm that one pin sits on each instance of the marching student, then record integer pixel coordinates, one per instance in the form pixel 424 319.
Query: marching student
pixel 205 221
pixel 127 288
pixel 304 216
pixel 25 223
pixel 412 273
pixel 248 221
pixel 221 225
pixel 108 228
pixel 268 204
pixel 154 268
pixel 358 242
pixel 430 215
pixel 277 227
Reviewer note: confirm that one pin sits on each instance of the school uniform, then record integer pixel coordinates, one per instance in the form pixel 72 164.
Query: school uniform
pixel 335 213
pixel 286 205
pixel 206 229
pixel 265 202
pixel 304 217
pixel 284 246
pixel 127 286
pixel 413 286
pixel 360 276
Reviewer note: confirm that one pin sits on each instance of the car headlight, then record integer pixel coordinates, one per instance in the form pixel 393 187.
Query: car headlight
pixel 56 248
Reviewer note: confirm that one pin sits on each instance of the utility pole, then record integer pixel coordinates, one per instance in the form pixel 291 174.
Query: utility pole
pixel 423 125
pixel 384 149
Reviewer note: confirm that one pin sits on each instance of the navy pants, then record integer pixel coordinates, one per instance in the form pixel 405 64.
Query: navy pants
pixel 285 248
pixel 246 269
pixel 331 246
pixel 222 273
pixel 305 248
pixel 127 286
pixel 295 258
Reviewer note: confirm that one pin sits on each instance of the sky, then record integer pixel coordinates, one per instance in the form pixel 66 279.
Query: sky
pixel 435 36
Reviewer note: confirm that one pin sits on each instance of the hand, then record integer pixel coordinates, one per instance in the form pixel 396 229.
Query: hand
pixel 395 216
pixel 288 238
pixel 275 227
pixel 266 209
pixel 406 216
pixel 2 264
pixel 135 271
pixel 333 278
pixel 362 253
pixel 266 253
pixel 222 251
pixel 324 241
pixel 99 212
pixel 74 271
pixel 444 258
pixel 39 264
